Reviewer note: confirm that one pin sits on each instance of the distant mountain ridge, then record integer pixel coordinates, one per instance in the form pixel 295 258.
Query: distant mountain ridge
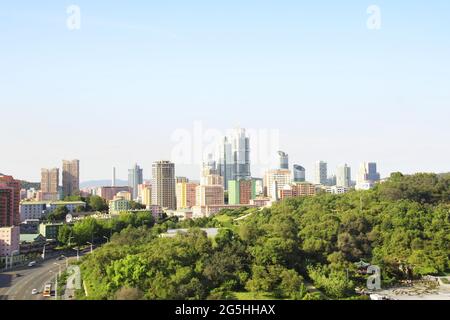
pixel 101 183
pixel 26 184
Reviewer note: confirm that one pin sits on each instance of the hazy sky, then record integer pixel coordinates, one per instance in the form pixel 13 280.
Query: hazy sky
pixel 115 91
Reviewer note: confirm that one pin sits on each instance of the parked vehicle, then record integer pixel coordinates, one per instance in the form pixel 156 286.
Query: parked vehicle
pixel 47 290
pixel 32 264
pixel 34 292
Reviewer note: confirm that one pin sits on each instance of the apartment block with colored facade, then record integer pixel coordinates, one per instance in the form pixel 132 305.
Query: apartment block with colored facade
pixel 9 215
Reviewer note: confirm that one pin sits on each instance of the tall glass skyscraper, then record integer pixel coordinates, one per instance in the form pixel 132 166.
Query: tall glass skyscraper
pixel 284 160
pixel 135 178
pixel 299 173
pixel 344 176
pixel 233 157
pixel 321 173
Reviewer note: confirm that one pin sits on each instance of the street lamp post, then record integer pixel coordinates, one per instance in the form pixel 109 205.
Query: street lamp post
pixel 43 252
pixel 91 245
pixel 12 257
pixel 107 239
pixel 70 237
pixel 56 284
pixel 59 267
pixel 78 255
pixel 67 261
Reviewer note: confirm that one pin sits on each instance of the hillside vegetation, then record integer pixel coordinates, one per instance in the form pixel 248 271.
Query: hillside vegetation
pixel 402 226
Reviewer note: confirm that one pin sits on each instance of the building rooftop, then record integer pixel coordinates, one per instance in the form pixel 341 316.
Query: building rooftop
pixel 52 202
pixel 29 237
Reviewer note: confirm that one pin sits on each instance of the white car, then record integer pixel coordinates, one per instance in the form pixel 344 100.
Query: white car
pixel 34 292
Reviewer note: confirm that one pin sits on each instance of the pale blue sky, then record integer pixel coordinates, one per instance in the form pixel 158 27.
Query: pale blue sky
pixel 113 92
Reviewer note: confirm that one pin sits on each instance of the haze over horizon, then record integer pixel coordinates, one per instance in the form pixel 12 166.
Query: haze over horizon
pixel 114 92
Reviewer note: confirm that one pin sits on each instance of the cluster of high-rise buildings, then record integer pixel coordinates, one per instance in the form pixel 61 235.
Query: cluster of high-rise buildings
pixel 225 182
pixel 50 187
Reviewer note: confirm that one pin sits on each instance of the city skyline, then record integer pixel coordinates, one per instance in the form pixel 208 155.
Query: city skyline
pixel 335 89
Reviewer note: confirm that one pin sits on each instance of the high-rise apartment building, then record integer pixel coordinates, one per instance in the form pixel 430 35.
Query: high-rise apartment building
pixel 321 173
pixel 50 180
pixel 9 215
pixel 344 176
pixel 71 177
pixel 9 201
pixel 135 178
pixel 163 184
pixel 49 184
pixel 299 173
pixel 284 160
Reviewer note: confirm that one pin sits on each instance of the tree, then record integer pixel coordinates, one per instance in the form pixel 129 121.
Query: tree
pixel 291 283
pixel 64 234
pixel 59 214
pixel 136 205
pixel 97 203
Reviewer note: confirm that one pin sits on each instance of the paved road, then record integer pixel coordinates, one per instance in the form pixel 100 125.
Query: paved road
pixel 19 288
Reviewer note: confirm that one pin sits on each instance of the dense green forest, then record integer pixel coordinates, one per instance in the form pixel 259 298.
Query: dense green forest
pixel 286 251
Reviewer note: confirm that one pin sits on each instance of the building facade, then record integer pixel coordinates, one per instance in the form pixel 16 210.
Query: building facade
pixel 9 201
pixel 119 205
pixel 321 173
pixel 344 176
pixel 50 184
pixel 275 180
pixel 163 184
pixel 241 191
pixel 30 210
pixel 299 173
pixel 284 160
pixel 135 178
pixel 209 195
pixel 232 159
pixel 9 240
pixel 298 190
pixel 71 178
pixel 186 194
pixel 367 175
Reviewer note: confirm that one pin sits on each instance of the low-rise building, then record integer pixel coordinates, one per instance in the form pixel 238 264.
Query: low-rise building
pixel 34 243
pixel 50 230
pixel 298 190
pixel 30 226
pixel 32 210
pixel 337 190
pixel 108 193
pixel 182 214
pixel 118 205
pixel 40 209
pixel 261 201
